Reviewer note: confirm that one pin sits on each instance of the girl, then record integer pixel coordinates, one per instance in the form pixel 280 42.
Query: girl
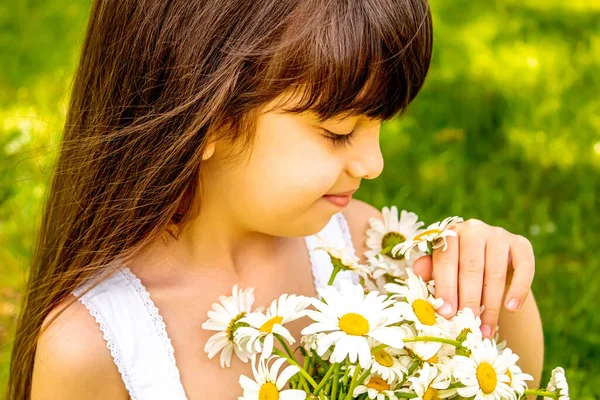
pixel 206 143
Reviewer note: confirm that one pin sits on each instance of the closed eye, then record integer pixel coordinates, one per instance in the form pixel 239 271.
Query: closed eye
pixel 340 140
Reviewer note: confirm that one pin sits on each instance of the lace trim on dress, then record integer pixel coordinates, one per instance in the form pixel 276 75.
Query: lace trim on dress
pixel 110 344
pixel 157 320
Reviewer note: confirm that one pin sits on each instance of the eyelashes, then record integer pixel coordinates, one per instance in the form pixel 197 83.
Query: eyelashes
pixel 340 140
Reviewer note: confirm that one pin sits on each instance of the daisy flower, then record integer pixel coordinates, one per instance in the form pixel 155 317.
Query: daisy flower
pixel 225 317
pixel 389 363
pixel 342 258
pixel 266 384
pixel 376 388
pixel 558 383
pixel 516 376
pixel 375 284
pixel 483 374
pixel 286 309
pixel 420 306
pixel 382 271
pixel 465 326
pixel 350 318
pixel 422 351
pixel 384 235
pixel 435 233
pixel 381 266
pixel 433 382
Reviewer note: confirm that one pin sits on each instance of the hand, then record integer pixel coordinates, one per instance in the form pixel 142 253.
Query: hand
pixel 478 265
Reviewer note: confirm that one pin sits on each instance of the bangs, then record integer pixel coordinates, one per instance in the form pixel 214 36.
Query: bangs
pixel 343 58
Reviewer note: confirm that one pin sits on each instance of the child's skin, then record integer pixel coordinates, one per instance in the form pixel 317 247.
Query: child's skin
pixel 254 214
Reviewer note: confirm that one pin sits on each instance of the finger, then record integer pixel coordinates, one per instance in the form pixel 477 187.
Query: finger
pixel 423 267
pixel 523 261
pixel 445 274
pixel 494 279
pixel 470 271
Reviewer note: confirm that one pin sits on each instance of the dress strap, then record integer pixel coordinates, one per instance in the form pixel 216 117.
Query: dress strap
pixel 336 232
pixel 136 335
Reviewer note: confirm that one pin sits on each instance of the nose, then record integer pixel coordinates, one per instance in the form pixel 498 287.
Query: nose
pixel 367 160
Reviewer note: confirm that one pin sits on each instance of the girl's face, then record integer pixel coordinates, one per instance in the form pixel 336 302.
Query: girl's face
pixel 278 189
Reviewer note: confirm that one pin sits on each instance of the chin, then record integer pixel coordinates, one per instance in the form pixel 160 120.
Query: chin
pixel 317 217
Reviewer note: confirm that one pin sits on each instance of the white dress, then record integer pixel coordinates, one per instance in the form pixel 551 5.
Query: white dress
pixel 136 334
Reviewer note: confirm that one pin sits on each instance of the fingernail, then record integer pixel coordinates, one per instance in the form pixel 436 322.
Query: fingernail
pixel 513 304
pixel 486 331
pixel 446 308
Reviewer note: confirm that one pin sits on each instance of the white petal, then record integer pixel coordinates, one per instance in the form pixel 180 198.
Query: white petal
pixel 287 373
pixel 268 346
pixel 392 336
pixel 364 353
pixel 274 370
pixel 248 384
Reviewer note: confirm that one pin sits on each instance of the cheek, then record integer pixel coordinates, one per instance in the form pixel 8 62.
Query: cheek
pixel 285 179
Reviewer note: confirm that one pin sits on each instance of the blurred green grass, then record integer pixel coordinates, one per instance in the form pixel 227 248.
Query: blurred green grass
pixel 506 130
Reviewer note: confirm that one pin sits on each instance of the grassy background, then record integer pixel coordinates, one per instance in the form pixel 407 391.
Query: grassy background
pixel 506 130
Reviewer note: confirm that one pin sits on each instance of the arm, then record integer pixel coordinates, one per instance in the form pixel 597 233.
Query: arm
pixel 72 360
pixel 523 333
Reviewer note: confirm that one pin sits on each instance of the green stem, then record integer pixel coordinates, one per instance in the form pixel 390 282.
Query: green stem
pixel 346 376
pixel 410 372
pixel 293 362
pixel 433 339
pixel 335 381
pixel 539 392
pixel 324 380
pixel 353 382
pixel 405 395
pixel 363 377
pixel 291 355
pixel 377 348
pixel 311 364
pixel 336 269
pixel 306 362
pixel 285 346
pixel 302 380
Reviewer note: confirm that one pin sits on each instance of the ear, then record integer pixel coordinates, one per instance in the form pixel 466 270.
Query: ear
pixel 208 151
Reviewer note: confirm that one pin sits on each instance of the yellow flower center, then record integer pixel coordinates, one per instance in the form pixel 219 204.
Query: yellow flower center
pixel 233 325
pixel 389 241
pixel 509 376
pixel 383 358
pixel 354 324
pixel 433 359
pixel 426 233
pixel 431 394
pixel 268 391
pixel 268 326
pixel 424 311
pixel 486 376
pixel 378 384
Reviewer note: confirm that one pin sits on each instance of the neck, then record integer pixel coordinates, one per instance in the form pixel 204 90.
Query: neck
pixel 214 239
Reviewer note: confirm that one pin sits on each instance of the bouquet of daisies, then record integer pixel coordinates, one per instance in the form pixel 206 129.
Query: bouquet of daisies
pixel 379 339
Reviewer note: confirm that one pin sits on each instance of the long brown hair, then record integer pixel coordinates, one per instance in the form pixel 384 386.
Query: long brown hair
pixel 158 79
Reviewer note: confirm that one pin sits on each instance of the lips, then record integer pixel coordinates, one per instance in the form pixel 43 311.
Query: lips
pixel 340 201
pixel 347 193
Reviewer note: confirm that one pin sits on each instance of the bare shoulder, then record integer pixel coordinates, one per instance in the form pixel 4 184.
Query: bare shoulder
pixel 72 360
pixel 358 213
